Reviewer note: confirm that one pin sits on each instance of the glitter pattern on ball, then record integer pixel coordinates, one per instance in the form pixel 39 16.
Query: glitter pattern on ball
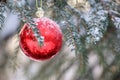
pixel 52 40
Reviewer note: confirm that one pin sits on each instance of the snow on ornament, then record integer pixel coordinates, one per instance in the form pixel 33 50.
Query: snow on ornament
pixel 52 40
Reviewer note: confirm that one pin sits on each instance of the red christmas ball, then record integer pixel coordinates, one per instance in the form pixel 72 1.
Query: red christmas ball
pixel 52 39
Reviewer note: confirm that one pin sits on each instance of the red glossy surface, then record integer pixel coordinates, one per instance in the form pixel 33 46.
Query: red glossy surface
pixel 52 40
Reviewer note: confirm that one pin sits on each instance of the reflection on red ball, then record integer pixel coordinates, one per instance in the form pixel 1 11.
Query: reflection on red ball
pixel 52 40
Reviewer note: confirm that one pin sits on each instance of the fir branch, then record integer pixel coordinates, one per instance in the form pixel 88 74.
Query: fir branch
pixel 74 38
pixel 101 55
pixel 2 18
pixel 76 12
pixel 97 22
pixel 25 13
pixel 60 3
pixel 28 18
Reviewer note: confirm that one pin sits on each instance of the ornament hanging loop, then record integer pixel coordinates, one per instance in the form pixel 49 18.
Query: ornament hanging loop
pixel 39 13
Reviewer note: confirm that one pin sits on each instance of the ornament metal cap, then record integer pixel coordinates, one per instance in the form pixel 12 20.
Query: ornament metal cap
pixel 39 13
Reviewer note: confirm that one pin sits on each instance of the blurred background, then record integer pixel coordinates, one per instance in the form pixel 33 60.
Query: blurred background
pixel 103 58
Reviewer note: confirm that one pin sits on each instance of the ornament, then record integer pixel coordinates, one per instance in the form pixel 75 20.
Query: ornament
pixel 52 40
